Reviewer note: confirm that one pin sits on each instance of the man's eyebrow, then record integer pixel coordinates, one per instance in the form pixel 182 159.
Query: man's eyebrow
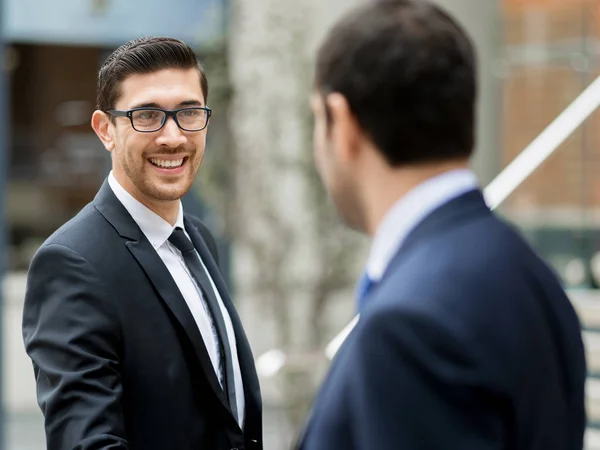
pixel 156 105
pixel 146 105
pixel 191 103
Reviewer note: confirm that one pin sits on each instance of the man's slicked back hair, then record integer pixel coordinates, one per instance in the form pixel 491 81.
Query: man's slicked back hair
pixel 141 56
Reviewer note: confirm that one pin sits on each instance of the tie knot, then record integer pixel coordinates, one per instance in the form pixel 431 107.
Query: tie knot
pixel 180 240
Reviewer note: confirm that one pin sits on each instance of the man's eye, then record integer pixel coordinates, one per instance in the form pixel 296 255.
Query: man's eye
pixel 147 115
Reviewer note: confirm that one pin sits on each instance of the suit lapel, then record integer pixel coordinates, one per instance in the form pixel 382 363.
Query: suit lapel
pixel 246 360
pixel 158 274
pixel 164 284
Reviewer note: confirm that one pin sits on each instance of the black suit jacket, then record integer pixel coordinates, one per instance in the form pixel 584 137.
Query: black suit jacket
pixel 467 343
pixel 118 359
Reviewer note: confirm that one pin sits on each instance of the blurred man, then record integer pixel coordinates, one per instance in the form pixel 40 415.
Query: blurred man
pixel 134 339
pixel 465 339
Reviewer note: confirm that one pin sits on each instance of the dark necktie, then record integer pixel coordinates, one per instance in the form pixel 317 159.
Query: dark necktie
pixel 185 246
pixel 364 286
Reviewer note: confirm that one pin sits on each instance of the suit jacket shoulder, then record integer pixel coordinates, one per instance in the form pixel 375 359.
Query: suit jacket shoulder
pixel 77 232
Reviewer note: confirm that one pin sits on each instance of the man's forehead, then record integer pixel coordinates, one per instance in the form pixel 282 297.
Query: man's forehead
pixel 164 85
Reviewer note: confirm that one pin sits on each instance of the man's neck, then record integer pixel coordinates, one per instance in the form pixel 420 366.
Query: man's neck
pixel 167 210
pixel 393 184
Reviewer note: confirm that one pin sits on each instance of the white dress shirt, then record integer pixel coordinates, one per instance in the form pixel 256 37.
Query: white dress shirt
pixel 409 211
pixel 158 230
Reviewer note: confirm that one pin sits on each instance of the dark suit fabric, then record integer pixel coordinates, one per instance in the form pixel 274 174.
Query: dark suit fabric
pixel 118 359
pixel 468 342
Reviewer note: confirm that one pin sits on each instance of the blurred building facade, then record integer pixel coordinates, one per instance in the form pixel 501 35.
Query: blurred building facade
pixel 536 57
pixel 549 54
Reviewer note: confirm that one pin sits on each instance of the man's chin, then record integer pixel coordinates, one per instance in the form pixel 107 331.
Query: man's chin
pixel 169 193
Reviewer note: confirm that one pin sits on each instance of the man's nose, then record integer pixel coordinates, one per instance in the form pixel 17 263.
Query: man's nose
pixel 171 134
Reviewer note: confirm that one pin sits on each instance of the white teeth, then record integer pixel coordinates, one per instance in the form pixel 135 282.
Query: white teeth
pixel 169 164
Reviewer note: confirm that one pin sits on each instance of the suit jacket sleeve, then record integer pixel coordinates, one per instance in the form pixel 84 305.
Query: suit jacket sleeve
pixel 419 384
pixel 73 338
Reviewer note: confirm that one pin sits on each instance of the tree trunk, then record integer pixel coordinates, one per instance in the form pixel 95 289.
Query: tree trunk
pixel 292 255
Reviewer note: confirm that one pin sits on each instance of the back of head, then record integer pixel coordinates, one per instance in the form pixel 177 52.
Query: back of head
pixel 407 70
pixel 142 56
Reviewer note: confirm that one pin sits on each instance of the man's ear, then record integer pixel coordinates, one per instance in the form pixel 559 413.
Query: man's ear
pixel 104 128
pixel 344 128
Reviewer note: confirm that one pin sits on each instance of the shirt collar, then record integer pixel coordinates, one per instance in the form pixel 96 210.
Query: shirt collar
pixel 154 227
pixel 409 211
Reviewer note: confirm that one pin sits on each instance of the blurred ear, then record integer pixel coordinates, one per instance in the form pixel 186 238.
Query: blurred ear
pixel 345 131
pixel 104 128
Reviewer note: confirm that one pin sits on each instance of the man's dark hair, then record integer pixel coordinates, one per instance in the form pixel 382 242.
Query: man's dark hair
pixel 407 70
pixel 140 56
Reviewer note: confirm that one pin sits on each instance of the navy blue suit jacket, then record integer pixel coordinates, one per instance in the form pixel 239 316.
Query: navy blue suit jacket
pixel 467 342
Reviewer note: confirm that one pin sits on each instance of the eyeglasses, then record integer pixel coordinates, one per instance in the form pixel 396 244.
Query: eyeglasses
pixel 148 120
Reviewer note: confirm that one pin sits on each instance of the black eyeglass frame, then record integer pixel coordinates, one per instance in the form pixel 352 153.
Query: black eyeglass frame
pixel 168 113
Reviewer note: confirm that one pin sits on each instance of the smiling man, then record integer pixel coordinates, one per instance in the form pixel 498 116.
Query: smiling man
pixel 134 339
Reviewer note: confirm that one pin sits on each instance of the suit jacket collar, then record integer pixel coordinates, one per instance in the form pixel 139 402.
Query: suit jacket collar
pixel 410 210
pixel 154 227
pixel 116 214
pixel 463 208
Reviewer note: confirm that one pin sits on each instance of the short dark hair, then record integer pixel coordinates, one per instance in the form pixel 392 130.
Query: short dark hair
pixel 140 56
pixel 407 70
